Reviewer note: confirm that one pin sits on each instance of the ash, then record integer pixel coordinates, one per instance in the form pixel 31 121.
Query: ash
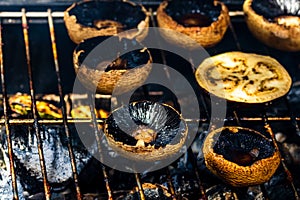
pixel 57 159
pixel 5 179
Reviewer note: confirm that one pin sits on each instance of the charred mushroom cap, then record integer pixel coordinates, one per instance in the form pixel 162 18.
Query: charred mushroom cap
pixel 205 22
pixel 240 156
pixel 89 19
pixel 275 23
pixel 98 72
pixel 151 191
pixel 146 130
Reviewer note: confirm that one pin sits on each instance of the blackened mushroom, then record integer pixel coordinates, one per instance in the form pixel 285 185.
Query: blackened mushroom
pixel 89 19
pixel 98 72
pixel 275 23
pixel 146 130
pixel 240 156
pixel 205 22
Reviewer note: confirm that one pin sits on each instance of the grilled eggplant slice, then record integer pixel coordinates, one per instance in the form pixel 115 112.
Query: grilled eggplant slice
pixel 146 130
pixel 240 156
pixel 90 19
pixel 243 77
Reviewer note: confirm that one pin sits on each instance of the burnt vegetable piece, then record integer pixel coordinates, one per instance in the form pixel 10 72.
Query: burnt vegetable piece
pixel 90 19
pixel 240 156
pixel 276 23
pixel 203 22
pixel 107 72
pixel 146 130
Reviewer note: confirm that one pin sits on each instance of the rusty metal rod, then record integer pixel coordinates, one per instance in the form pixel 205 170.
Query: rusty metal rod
pixel 97 134
pixel 34 109
pixel 89 120
pixel 7 125
pixel 287 171
pixel 139 186
pixel 193 161
pixel 63 106
pixel 170 184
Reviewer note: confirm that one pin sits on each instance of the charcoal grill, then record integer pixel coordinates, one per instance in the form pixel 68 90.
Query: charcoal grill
pixel 36 58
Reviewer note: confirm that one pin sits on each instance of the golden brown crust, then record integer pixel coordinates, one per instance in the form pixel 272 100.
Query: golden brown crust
pixel 117 81
pixel 147 153
pixel 280 36
pixel 243 77
pixel 78 32
pixel 205 36
pixel 239 176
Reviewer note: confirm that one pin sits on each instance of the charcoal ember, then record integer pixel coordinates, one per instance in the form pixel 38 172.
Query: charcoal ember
pixel 5 179
pixel 185 183
pixel 151 192
pixel 278 188
pixel 220 192
pixel 56 155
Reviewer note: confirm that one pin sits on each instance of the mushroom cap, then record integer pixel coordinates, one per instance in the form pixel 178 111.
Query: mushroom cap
pixel 259 159
pixel 97 72
pixel 89 19
pixel 146 131
pixel 276 27
pixel 215 22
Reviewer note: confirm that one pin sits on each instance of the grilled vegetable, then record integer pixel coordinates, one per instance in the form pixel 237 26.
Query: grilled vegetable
pixel 22 105
pixel 85 112
pixel 240 156
pixel 146 131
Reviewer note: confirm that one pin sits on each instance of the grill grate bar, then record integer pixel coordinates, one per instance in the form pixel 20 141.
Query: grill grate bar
pixel 193 161
pixel 203 120
pixel 293 117
pixel 63 105
pixel 34 109
pixel 98 140
pixel 268 128
pixel 170 184
pixel 6 122
pixel 140 187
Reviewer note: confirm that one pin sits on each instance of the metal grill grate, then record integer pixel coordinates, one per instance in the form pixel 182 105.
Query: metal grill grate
pixel 236 38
